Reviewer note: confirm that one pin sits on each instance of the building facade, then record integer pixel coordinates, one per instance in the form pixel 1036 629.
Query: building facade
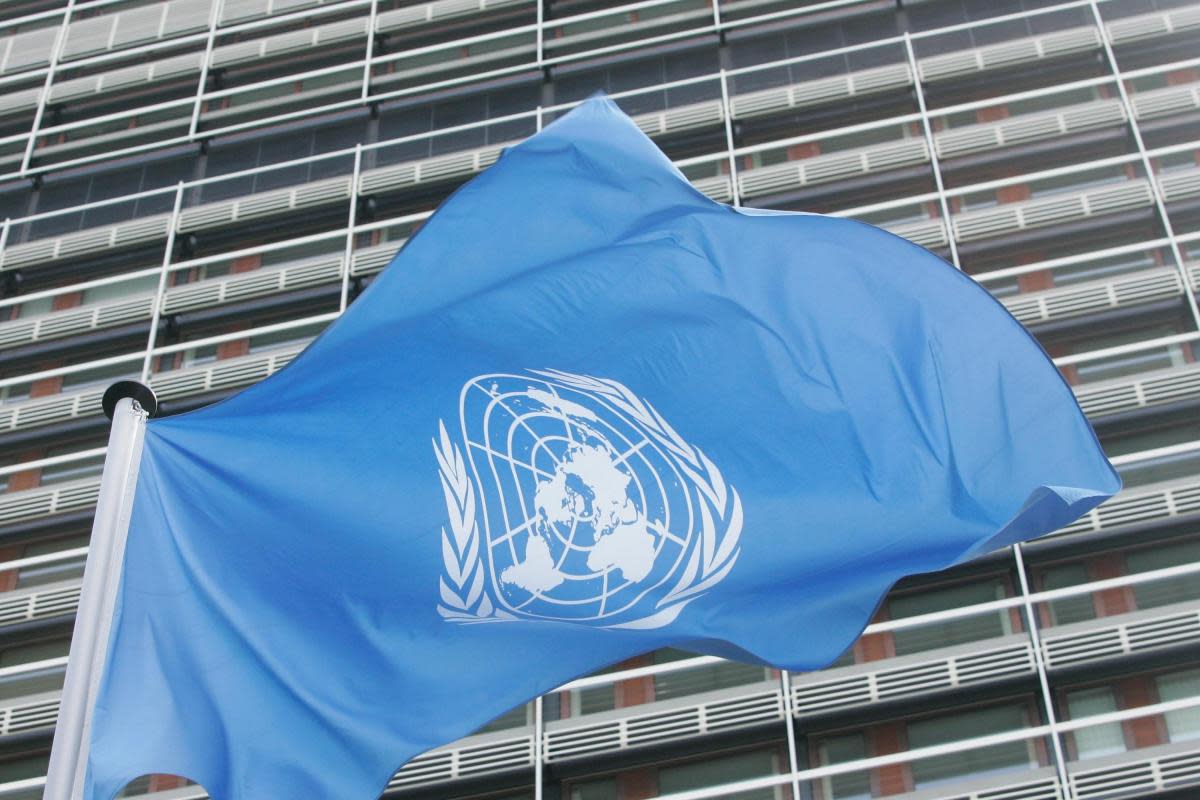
pixel 190 190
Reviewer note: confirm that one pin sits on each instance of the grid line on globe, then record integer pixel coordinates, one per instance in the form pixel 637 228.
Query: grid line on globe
pixel 585 515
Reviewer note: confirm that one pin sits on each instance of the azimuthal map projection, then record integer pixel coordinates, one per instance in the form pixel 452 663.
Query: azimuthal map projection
pixel 588 506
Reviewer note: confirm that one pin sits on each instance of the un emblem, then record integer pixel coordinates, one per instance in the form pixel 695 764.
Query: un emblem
pixel 577 502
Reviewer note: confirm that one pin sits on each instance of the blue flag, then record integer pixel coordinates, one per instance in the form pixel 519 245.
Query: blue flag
pixel 586 413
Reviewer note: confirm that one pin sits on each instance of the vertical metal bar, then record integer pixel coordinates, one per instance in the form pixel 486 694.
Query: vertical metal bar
pixel 214 17
pixel 716 4
pixel 60 42
pixel 1159 200
pixel 1035 639
pixel 537 748
pixel 541 32
pixel 371 22
pixel 727 113
pixel 162 283
pixel 919 90
pixel 101 580
pixel 789 717
pixel 538 119
pixel 4 238
pixel 352 221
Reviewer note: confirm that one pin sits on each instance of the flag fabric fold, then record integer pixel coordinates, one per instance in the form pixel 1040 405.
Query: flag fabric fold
pixel 586 413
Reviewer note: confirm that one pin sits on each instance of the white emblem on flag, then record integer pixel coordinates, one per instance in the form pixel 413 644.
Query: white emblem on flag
pixel 577 502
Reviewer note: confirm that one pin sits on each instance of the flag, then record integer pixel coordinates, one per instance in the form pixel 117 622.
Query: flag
pixel 586 413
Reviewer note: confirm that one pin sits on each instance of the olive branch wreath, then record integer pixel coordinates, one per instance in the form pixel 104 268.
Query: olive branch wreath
pixel 462 584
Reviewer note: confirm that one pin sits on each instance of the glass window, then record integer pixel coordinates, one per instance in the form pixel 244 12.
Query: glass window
pixel 1068 609
pixel 35 308
pixel 120 290
pixel 602 789
pixel 71 470
pixel 53 572
pixel 702 679
pixel 1172 590
pixel 516 718
pixel 720 770
pixel 1183 724
pixel 1097 740
pixel 29 652
pixel 270 341
pixel 839 750
pixel 958 631
pixel 25 684
pixel 20 768
pixel 99 375
pixel 996 759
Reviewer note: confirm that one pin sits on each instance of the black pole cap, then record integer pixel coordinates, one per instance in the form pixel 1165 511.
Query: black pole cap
pixel 140 392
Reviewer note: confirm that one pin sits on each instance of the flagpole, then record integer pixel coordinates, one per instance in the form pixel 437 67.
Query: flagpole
pixel 128 404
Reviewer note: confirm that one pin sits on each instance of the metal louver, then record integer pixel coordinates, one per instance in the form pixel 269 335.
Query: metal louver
pixel 831 167
pixel 76 320
pixel 46 501
pixel 45 601
pixel 221 374
pixel 1164 102
pixel 1180 184
pixel 681 118
pixel 1122 394
pixel 1131 776
pixel 51 249
pixel 1013 217
pixel 810 93
pixel 371 260
pixel 1142 505
pixel 409 16
pixel 1029 128
pixel 310 272
pixel 816 692
pixel 1084 298
pixel 1122 635
pixel 265 204
pixel 38 711
pixel 718 188
pixel 669 721
pixel 929 233
pixel 29 50
pixel 1146 26
pixel 1016 51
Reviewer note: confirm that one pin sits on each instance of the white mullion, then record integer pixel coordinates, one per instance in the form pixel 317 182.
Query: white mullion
pixel 727 115
pixel 352 221
pixel 1039 660
pixel 372 21
pixel 1159 198
pixel 205 65
pixel 156 314
pixel 60 41
pixel 930 142
pixel 538 747
pixel 540 33
pixel 789 718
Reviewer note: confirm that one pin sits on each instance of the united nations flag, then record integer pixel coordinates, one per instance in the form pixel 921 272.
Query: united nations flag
pixel 586 413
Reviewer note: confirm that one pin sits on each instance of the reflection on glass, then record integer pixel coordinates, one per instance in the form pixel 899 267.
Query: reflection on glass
pixel 951 632
pixel 976 763
pixel 1095 740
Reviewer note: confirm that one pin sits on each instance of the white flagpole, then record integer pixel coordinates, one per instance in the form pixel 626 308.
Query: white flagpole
pixel 127 404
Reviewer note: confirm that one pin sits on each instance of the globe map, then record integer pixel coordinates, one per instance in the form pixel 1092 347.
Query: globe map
pixel 580 526
pixel 588 490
